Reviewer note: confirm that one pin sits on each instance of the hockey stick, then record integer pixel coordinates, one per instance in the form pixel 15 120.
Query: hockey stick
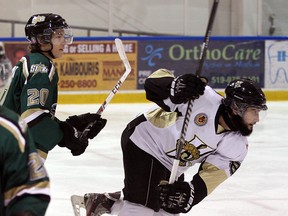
pixel 181 140
pixel 123 57
pixel 76 200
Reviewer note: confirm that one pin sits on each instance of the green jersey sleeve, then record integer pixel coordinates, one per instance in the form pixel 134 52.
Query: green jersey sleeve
pixel 24 180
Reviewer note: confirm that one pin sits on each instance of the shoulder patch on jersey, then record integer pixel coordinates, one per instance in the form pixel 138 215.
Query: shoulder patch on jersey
pixel 161 119
pixel 162 73
pixel 201 119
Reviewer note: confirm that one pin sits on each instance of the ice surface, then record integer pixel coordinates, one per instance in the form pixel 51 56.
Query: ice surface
pixel 259 188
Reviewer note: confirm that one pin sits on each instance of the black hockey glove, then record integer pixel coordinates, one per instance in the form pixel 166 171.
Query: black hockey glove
pixel 177 197
pixel 187 87
pixel 80 122
pixel 71 139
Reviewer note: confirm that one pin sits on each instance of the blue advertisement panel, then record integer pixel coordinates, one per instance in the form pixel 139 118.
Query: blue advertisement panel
pixel 225 59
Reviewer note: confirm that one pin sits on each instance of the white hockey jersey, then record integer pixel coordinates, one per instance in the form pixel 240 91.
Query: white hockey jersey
pixel 206 141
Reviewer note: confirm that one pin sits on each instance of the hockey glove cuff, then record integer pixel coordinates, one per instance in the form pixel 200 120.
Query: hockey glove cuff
pixel 80 122
pixel 187 87
pixel 71 139
pixel 177 197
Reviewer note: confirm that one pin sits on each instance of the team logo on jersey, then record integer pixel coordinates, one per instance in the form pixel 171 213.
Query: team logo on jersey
pixel 201 119
pixel 38 68
pixel 192 150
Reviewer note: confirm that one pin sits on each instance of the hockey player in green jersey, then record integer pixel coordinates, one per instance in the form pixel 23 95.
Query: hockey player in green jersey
pixel 24 182
pixel 33 90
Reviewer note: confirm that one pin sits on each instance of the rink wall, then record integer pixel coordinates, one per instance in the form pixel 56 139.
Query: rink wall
pixel 91 67
pixel 139 97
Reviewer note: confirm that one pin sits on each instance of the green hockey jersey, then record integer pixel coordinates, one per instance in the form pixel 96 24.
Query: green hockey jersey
pixel 24 182
pixel 33 95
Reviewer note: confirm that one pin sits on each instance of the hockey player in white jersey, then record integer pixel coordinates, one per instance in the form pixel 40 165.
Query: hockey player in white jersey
pixel 215 138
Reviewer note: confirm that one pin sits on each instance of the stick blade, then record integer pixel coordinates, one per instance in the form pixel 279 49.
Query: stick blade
pixel 121 51
pixel 120 48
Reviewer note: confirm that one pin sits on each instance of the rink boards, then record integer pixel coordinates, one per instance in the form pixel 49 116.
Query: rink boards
pixel 139 97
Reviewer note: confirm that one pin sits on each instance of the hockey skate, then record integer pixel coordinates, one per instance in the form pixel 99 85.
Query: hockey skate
pixel 95 204
pixel 77 203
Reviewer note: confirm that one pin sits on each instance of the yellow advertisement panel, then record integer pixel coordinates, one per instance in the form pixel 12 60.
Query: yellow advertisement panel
pixel 95 65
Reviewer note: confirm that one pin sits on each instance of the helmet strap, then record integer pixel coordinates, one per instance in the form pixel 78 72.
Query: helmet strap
pixel 49 52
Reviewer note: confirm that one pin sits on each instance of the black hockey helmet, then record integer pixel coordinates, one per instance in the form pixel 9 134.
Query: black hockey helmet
pixel 40 28
pixel 244 93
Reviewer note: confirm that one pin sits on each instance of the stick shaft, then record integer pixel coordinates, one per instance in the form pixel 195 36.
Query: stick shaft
pixel 122 54
pixel 207 36
pixel 181 141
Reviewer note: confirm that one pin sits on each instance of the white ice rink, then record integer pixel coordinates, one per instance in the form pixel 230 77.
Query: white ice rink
pixel 259 188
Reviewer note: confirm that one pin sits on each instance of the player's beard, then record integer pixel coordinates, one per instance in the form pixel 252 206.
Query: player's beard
pixel 241 126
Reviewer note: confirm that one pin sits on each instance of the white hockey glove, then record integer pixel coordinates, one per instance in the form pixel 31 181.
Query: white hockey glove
pixel 177 197
pixel 187 87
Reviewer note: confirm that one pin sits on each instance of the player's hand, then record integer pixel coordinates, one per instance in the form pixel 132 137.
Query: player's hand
pixel 187 87
pixel 80 122
pixel 71 139
pixel 177 197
